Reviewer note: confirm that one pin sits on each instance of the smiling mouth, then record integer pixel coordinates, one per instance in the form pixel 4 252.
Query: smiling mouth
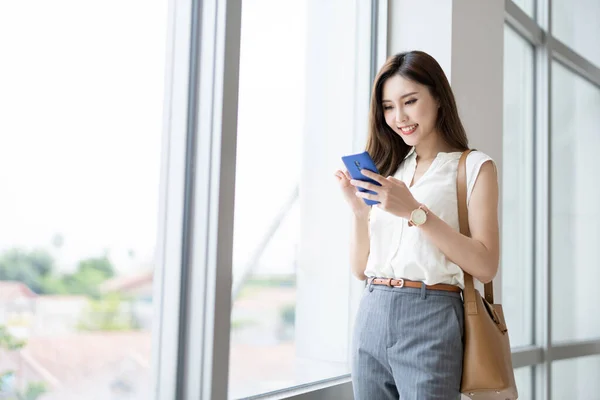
pixel 407 130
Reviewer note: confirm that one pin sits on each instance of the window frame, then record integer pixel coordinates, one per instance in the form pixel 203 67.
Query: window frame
pixel 547 50
pixel 193 290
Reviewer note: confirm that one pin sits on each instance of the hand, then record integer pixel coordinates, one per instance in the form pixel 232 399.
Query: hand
pixel 393 195
pixel 358 206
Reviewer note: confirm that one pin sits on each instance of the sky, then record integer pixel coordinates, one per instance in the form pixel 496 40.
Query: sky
pixel 81 94
pixel 81 109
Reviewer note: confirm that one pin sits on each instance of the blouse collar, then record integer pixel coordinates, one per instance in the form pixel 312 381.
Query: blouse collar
pixel 441 154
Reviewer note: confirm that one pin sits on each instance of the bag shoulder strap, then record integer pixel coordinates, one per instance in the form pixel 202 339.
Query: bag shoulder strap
pixel 463 219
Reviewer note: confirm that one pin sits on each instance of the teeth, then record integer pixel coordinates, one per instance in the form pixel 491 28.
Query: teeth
pixel 408 128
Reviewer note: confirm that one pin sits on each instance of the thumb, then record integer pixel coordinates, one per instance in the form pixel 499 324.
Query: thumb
pixel 391 178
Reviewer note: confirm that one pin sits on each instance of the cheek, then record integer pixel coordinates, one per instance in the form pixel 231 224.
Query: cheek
pixel 425 115
pixel 390 120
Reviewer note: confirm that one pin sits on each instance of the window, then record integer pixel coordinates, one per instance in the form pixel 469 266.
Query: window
pixel 575 230
pixel 517 193
pixel 524 382
pixel 575 23
pixel 576 379
pixel 81 103
pixel 303 103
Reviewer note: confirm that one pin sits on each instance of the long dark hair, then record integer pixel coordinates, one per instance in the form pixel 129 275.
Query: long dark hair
pixel 384 145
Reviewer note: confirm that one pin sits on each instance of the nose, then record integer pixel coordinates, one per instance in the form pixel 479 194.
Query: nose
pixel 400 116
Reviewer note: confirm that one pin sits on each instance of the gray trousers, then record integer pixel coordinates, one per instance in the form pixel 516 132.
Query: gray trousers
pixel 408 344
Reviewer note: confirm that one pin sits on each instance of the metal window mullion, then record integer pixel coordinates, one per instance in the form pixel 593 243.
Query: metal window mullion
pixel 167 281
pixel 380 51
pixel 339 387
pixel 543 103
pixel 518 20
pixel 527 356
pixel 205 322
pixel 565 351
pixel 574 61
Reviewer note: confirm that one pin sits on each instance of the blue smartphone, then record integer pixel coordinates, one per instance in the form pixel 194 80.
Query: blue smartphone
pixel 354 163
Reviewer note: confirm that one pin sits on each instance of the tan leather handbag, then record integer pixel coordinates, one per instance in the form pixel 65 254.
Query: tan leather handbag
pixel 487 363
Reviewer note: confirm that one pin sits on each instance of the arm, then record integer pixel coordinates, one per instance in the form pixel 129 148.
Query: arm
pixel 359 240
pixel 359 245
pixel 478 255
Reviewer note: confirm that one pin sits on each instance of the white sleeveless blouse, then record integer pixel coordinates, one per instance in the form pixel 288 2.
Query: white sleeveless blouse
pixel 399 251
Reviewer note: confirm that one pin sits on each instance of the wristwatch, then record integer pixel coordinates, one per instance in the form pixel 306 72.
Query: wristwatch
pixel 419 216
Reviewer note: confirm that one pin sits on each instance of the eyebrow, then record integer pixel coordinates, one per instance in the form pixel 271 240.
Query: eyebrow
pixel 403 96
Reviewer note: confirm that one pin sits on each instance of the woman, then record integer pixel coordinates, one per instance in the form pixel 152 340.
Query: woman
pixel 409 327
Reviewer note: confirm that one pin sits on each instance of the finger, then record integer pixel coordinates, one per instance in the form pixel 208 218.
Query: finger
pixel 376 177
pixel 365 185
pixel 367 196
pixel 347 175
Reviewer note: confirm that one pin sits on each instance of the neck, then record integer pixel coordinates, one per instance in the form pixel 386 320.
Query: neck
pixel 429 149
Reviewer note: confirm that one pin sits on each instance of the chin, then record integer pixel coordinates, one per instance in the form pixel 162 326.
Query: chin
pixel 410 140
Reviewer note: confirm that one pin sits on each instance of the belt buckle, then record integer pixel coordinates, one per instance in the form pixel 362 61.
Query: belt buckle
pixel 401 283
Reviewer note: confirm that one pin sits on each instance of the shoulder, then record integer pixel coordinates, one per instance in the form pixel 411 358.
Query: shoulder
pixel 478 157
pixel 476 160
pixel 481 173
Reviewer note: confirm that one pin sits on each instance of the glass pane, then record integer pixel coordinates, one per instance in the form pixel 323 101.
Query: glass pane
pixel 297 96
pixel 81 104
pixel 575 222
pixel 575 23
pixel 576 379
pixel 524 381
pixel 517 189
pixel 527 6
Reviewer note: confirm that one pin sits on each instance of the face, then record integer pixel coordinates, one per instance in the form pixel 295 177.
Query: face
pixel 409 109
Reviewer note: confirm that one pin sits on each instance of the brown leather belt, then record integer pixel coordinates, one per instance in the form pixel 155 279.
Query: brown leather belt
pixel 399 283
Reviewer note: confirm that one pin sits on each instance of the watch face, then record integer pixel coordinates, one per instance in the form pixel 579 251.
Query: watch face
pixel 419 217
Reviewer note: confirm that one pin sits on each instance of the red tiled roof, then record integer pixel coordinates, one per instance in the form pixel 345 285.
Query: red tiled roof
pixel 79 356
pixel 10 290
pixel 62 297
pixel 122 283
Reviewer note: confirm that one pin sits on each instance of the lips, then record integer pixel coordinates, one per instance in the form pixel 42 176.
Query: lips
pixel 408 130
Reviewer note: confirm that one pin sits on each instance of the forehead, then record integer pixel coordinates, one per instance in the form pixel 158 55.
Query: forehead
pixel 397 86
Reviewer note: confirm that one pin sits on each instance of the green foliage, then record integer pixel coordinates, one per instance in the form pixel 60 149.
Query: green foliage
pixel 36 269
pixel 55 284
pixel 30 267
pixel 8 341
pixel 238 324
pixel 100 265
pixel 271 281
pixel 58 240
pixel 90 274
pixel 287 314
pixel 34 389
pixel 105 314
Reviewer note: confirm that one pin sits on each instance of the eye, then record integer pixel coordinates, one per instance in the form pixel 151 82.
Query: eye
pixel 411 102
pixel 387 107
